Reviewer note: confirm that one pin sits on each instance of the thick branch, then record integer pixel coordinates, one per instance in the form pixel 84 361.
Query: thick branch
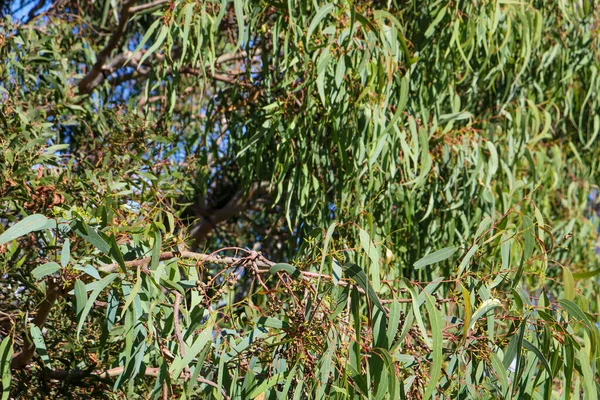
pixel 209 219
pixel 95 76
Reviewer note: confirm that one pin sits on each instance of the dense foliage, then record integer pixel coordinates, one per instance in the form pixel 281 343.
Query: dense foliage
pixel 299 199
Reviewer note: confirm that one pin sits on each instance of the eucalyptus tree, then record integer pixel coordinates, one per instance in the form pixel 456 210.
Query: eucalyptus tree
pixel 243 199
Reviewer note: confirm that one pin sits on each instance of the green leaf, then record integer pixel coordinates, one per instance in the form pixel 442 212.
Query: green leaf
pixel 574 311
pixel 157 43
pixel 90 235
pixel 568 283
pixel 505 252
pixel 291 270
pixel 270 322
pixel 393 323
pixel 466 259
pixel 500 371
pixel 328 236
pixel 134 291
pixel 336 271
pixel 435 257
pixel 45 269
pixel 202 339
pixel 80 297
pixel 435 319
pixel 40 346
pixel 27 225
pixel 531 347
pixel 319 16
pixel 589 378
pixel 156 250
pixel 116 254
pixel 6 352
pixel 586 274
pixel 483 309
pixel 103 283
pixel 238 6
pixel 65 254
pixel 432 27
pixel 369 248
pixel 188 11
pixel 358 275
pixel 266 384
pixel 146 37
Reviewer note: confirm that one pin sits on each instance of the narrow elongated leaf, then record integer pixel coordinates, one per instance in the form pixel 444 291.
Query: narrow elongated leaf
pixel 319 16
pixel 435 319
pixel 328 236
pixel 134 291
pixel 156 250
pixel 531 347
pixel 358 275
pixel 90 235
pixel 290 269
pixel 157 43
pixel 589 381
pixel 483 309
pixel 103 283
pixel 65 254
pixel 44 270
pixel 500 371
pixel 467 258
pixel 80 297
pixel 270 322
pixel 435 257
pixel 27 225
pixel 6 352
pixel 569 283
pixel 116 254
pixel 373 254
pixel 266 384
pixel 40 345
pixel 201 340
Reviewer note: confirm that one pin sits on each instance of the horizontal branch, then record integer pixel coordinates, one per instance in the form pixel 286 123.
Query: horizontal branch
pixel 190 255
pixel 148 6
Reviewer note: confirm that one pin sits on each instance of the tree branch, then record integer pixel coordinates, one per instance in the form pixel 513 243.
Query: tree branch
pixel 24 356
pixel 95 76
pixel 203 258
pixel 147 6
pixel 208 219
pixel 177 328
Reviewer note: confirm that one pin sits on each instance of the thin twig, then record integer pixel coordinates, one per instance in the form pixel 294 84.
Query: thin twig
pixel 177 328
pixel 203 258
pixel 147 6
